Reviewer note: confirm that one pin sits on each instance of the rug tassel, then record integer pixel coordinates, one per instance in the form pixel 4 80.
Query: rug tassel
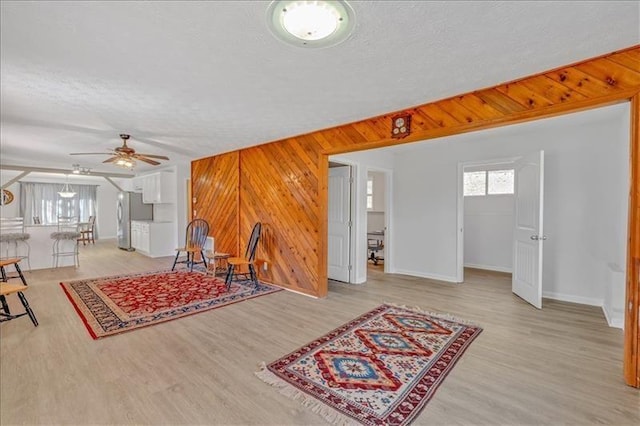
pixel 329 414
pixel 447 317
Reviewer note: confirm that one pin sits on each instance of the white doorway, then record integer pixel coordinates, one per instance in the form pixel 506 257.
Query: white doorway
pixel 485 217
pixel 500 204
pixel 339 220
pixel 359 221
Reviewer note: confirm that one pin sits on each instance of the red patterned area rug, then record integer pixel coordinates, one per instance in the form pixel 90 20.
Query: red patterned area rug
pixel 116 304
pixel 379 369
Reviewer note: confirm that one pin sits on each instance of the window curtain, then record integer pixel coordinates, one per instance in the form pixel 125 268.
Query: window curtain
pixel 42 200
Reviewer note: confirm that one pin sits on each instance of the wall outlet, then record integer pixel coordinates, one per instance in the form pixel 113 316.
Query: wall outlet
pixel 265 266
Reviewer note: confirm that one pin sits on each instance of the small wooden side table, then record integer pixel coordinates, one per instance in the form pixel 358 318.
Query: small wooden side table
pixel 217 262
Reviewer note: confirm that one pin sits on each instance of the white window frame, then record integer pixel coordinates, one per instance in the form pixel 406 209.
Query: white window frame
pixel 486 171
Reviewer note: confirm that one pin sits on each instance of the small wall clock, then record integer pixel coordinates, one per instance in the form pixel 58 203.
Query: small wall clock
pixel 400 125
pixel 7 197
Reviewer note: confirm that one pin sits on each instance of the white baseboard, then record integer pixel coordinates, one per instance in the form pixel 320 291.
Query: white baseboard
pixel 572 298
pixel 488 268
pixel 426 275
pixel 616 322
pixel 359 280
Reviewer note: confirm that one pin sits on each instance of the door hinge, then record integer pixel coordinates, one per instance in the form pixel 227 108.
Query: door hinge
pixel 349 224
pixel 351 180
pixel 349 267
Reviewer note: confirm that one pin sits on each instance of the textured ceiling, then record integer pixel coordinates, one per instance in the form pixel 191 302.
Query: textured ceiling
pixel 193 79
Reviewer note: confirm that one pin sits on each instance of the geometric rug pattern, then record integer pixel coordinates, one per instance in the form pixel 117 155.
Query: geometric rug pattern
pixel 116 304
pixel 380 368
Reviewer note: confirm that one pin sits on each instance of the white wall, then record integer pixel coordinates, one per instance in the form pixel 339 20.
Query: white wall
pixel 376 216
pixel 488 232
pixel 379 190
pixel 106 221
pixel 12 209
pixel 586 189
pixel 183 174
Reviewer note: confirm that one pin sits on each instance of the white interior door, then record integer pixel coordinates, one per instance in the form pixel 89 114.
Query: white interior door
pixel 339 208
pixel 528 232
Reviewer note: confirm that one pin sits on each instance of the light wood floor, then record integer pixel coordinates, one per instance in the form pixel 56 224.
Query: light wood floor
pixel 561 365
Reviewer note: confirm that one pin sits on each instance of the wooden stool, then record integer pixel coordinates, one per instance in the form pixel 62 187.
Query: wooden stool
pixel 7 289
pixel 217 262
pixel 220 260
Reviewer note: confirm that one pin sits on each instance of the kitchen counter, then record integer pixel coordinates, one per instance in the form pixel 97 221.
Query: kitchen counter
pixel 41 244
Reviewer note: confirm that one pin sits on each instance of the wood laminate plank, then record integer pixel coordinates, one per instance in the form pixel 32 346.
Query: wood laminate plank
pixel 556 366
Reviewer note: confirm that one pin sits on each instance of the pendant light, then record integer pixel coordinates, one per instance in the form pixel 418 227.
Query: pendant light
pixel 66 191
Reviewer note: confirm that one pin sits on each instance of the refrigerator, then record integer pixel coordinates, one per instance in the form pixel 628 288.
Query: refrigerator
pixel 130 207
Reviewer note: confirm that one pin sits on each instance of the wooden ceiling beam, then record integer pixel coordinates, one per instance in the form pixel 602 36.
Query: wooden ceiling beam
pixel 15 179
pixel 60 172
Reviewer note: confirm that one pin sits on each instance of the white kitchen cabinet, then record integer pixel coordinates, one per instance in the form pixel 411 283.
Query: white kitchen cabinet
pixel 136 184
pixel 158 188
pixel 135 235
pixel 153 239
pixel 150 188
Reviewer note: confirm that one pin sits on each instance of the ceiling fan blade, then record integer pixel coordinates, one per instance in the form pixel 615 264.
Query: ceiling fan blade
pixel 146 160
pixel 159 157
pixel 91 153
pixel 111 160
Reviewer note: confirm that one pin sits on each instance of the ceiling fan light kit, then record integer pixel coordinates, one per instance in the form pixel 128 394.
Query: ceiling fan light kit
pixel 126 157
pixel 127 163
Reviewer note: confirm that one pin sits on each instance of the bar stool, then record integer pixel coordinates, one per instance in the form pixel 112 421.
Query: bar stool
pixel 12 235
pixel 7 289
pixel 67 235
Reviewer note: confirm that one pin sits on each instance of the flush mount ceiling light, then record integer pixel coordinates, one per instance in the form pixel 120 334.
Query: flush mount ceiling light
pixel 311 23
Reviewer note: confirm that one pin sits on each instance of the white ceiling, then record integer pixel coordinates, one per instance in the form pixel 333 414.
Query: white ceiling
pixel 193 79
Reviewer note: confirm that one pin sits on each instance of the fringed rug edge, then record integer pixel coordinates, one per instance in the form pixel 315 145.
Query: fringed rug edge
pixel 329 414
pixel 444 316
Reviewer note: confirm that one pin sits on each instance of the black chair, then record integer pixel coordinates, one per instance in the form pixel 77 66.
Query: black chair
pixel 197 232
pixel 248 260
pixel 7 289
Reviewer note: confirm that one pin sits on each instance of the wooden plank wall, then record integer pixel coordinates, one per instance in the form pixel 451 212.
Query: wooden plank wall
pixel 284 183
pixel 215 183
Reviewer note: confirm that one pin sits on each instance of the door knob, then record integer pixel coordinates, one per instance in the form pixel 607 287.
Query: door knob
pixel 537 237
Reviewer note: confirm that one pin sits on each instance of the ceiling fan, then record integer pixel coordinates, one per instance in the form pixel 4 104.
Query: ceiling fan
pixel 125 156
